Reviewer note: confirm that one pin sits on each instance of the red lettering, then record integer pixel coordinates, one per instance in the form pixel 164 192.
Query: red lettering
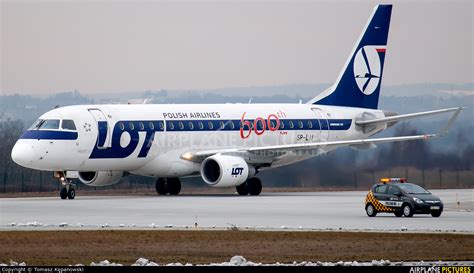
pixel 270 125
pixel 243 123
pixel 255 123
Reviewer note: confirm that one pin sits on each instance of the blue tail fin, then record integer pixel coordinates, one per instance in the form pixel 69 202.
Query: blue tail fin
pixel 359 82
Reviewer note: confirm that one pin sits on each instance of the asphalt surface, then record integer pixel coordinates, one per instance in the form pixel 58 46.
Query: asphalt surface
pixel 299 211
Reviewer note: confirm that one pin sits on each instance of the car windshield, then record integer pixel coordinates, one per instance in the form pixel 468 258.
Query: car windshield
pixel 412 188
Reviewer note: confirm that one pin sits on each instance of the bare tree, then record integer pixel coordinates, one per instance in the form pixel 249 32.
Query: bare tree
pixel 10 131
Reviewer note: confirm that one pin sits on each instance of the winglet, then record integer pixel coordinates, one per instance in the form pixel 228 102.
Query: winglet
pixel 450 122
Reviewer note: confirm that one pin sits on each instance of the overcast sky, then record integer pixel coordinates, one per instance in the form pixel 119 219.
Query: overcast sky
pixel 110 46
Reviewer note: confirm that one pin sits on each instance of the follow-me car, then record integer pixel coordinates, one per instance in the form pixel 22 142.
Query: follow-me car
pixel 394 195
pixel 227 144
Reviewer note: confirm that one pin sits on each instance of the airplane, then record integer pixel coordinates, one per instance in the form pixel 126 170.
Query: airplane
pixel 226 144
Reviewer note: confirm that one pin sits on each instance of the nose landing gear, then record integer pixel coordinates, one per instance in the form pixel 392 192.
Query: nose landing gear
pixel 67 191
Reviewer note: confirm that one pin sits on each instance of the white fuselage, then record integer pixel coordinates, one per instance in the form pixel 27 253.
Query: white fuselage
pixel 150 139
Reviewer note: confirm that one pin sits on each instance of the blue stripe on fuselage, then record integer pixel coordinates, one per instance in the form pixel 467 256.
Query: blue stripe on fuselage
pixel 234 125
pixel 49 135
pixel 133 127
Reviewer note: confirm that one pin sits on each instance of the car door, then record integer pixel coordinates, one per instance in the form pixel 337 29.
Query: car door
pixel 380 193
pixel 393 197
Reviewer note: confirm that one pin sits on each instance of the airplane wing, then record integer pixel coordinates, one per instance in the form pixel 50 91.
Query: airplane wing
pixel 276 150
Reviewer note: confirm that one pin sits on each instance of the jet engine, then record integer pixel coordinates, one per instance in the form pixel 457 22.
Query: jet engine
pixel 100 178
pixel 225 170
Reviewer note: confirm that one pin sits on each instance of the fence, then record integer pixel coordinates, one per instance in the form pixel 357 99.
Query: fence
pixel 429 178
pixel 26 180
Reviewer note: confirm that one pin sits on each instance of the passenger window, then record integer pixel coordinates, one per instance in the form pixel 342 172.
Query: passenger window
pixel 151 125
pixel 244 124
pixel 170 125
pixel 282 124
pixel 161 124
pixel 310 124
pixel 68 124
pixel 210 125
pixel 300 124
pixel 131 126
pixel 381 189
pixel 181 125
pixel 273 123
pixel 232 125
pixel 291 124
pixel 122 127
pixel 191 125
pixel 141 125
pixel 221 124
pixel 49 124
pixel 201 126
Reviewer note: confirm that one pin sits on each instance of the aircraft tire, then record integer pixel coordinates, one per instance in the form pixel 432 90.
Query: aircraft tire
pixel 242 189
pixel 254 186
pixel 71 193
pixel 174 186
pixel 161 186
pixel 63 193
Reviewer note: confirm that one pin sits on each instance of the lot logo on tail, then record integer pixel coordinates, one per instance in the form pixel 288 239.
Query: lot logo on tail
pixel 367 68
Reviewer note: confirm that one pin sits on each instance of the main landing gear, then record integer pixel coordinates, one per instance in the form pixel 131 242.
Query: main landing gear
pixel 67 190
pixel 171 186
pixel 252 186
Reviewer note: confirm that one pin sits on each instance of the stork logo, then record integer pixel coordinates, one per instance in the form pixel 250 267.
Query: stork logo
pixel 367 68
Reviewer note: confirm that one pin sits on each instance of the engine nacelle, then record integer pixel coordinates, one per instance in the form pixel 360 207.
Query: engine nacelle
pixel 100 178
pixel 225 171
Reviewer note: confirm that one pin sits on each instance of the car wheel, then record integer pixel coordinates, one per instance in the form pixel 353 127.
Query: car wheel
pixel 407 210
pixel 436 213
pixel 370 210
pixel 398 213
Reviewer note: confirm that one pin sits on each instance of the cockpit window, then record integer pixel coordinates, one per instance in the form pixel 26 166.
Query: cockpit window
pixel 36 124
pixel 49 124
pixel 45 124
pixel 68 124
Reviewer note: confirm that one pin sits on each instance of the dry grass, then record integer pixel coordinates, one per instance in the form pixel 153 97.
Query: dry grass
pixel 71 247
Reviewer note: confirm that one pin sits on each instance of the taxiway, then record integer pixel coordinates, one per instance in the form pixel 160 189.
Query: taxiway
pixel 299 211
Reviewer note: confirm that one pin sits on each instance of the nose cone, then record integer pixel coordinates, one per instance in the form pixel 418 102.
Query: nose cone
pixel 22 153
